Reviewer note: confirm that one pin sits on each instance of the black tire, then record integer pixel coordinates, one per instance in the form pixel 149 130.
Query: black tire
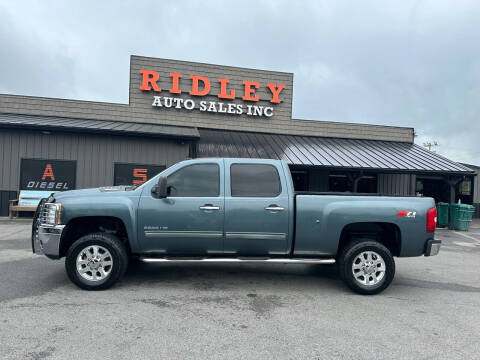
pixel 345 266
pixel 107 241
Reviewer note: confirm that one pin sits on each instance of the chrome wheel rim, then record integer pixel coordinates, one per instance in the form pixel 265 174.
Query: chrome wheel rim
pixel 94 263
pixel 368 268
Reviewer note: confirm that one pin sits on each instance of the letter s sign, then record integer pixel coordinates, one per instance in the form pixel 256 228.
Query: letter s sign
pixel 139 176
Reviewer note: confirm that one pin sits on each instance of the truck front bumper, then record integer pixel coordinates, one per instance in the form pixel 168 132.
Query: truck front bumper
pixel 432 247
pixel 46 240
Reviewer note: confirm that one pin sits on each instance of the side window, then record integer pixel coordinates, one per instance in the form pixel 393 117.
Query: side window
pixel 198 180
pixel 254 180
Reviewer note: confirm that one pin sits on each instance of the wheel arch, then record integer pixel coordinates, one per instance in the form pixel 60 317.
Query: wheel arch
pixel 80 226
pixel 386 233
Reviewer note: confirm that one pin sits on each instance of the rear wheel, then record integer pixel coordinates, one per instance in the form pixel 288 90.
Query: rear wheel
pixel 96 261
pixel 367 267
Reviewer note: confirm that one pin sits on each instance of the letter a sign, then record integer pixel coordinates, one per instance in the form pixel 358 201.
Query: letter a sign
pixel 48 173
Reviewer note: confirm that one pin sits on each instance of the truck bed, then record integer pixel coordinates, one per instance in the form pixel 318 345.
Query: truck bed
pixel 320 219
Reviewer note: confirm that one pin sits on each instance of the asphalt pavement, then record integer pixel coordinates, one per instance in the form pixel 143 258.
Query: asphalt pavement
pixel 240 311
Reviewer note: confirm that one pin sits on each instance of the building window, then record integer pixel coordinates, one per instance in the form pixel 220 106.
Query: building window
pixel 339 182
pixel 367 184
pixel 343 182
pixel 465 187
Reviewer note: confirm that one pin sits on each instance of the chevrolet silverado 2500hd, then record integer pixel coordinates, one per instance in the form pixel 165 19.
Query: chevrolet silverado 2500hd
pixel 231 210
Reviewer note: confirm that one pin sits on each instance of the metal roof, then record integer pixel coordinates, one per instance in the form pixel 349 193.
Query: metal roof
pixel 324 151
pixel 96 126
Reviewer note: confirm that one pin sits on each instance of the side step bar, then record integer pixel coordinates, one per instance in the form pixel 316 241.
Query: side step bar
pixel 238 260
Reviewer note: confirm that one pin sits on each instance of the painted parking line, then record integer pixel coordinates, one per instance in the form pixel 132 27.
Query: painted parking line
pixel 465 244
pixel 467 236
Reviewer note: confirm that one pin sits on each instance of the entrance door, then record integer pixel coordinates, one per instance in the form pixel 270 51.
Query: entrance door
pixel 256 210
pixel 190 220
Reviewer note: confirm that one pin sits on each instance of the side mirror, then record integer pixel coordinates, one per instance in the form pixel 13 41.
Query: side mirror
pixel 160 190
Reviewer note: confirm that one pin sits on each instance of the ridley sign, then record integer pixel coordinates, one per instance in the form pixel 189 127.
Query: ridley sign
pixel 201 85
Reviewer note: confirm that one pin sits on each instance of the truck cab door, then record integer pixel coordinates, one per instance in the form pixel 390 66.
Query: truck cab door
pixel 257 214
pixel 189 221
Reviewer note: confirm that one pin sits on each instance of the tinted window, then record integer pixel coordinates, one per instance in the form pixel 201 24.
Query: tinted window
pixel 196 181
pixel 254 180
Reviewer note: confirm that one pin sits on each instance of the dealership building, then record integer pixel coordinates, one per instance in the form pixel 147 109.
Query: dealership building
pixel 179 110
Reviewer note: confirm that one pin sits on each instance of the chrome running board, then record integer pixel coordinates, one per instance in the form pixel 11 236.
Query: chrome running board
pixel 238 260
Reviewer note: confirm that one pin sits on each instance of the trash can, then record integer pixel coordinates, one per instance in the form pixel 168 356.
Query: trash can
pixel 463 218
pixel 442 214
pixel 453 214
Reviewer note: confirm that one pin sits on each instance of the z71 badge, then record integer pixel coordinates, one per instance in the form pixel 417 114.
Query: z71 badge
pixel 408 214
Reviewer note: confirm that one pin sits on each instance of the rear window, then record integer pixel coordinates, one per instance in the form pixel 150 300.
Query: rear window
pixel 254 180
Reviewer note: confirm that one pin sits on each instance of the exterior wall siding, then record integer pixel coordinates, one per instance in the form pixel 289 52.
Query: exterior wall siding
pixel 18 104
pixel 95 154
pixel 5 197
pixel 396 184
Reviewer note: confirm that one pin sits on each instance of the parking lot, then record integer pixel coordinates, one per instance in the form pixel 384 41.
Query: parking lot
pixel 238 311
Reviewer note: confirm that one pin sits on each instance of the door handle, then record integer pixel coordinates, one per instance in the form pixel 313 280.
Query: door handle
pixel 274 207
pixel 209 207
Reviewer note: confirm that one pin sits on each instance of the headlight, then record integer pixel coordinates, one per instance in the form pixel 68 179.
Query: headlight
pixel 51 214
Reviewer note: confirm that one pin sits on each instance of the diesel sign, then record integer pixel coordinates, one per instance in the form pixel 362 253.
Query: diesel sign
pixel 55 175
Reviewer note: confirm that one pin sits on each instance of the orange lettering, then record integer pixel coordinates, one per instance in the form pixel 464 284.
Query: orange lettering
pixel 175 89
pixel 249 91
pixel 139 173
pixel 276 89
pixel 206 85
pixel 223 90
pixel 48 172
pixel 149 80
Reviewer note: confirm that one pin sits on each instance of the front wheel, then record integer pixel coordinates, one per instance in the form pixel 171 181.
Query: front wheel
pixel 367 267
pixel 96 261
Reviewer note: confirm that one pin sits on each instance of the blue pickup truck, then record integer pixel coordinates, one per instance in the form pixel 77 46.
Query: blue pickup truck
pixel 243 210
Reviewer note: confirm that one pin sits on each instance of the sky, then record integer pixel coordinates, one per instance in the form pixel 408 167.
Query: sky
pixel 400 63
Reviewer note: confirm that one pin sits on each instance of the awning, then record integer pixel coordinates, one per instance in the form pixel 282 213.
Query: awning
pixel 52 123
pixel 326 152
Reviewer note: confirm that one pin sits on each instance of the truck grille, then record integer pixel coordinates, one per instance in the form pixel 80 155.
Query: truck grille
pixel 42 216
pixel 44 213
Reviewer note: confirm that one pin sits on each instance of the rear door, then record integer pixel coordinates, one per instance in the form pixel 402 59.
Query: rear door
pixel 256 209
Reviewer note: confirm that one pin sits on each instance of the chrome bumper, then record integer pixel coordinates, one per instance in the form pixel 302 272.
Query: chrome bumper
pixel 47 240
pixel 433 247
